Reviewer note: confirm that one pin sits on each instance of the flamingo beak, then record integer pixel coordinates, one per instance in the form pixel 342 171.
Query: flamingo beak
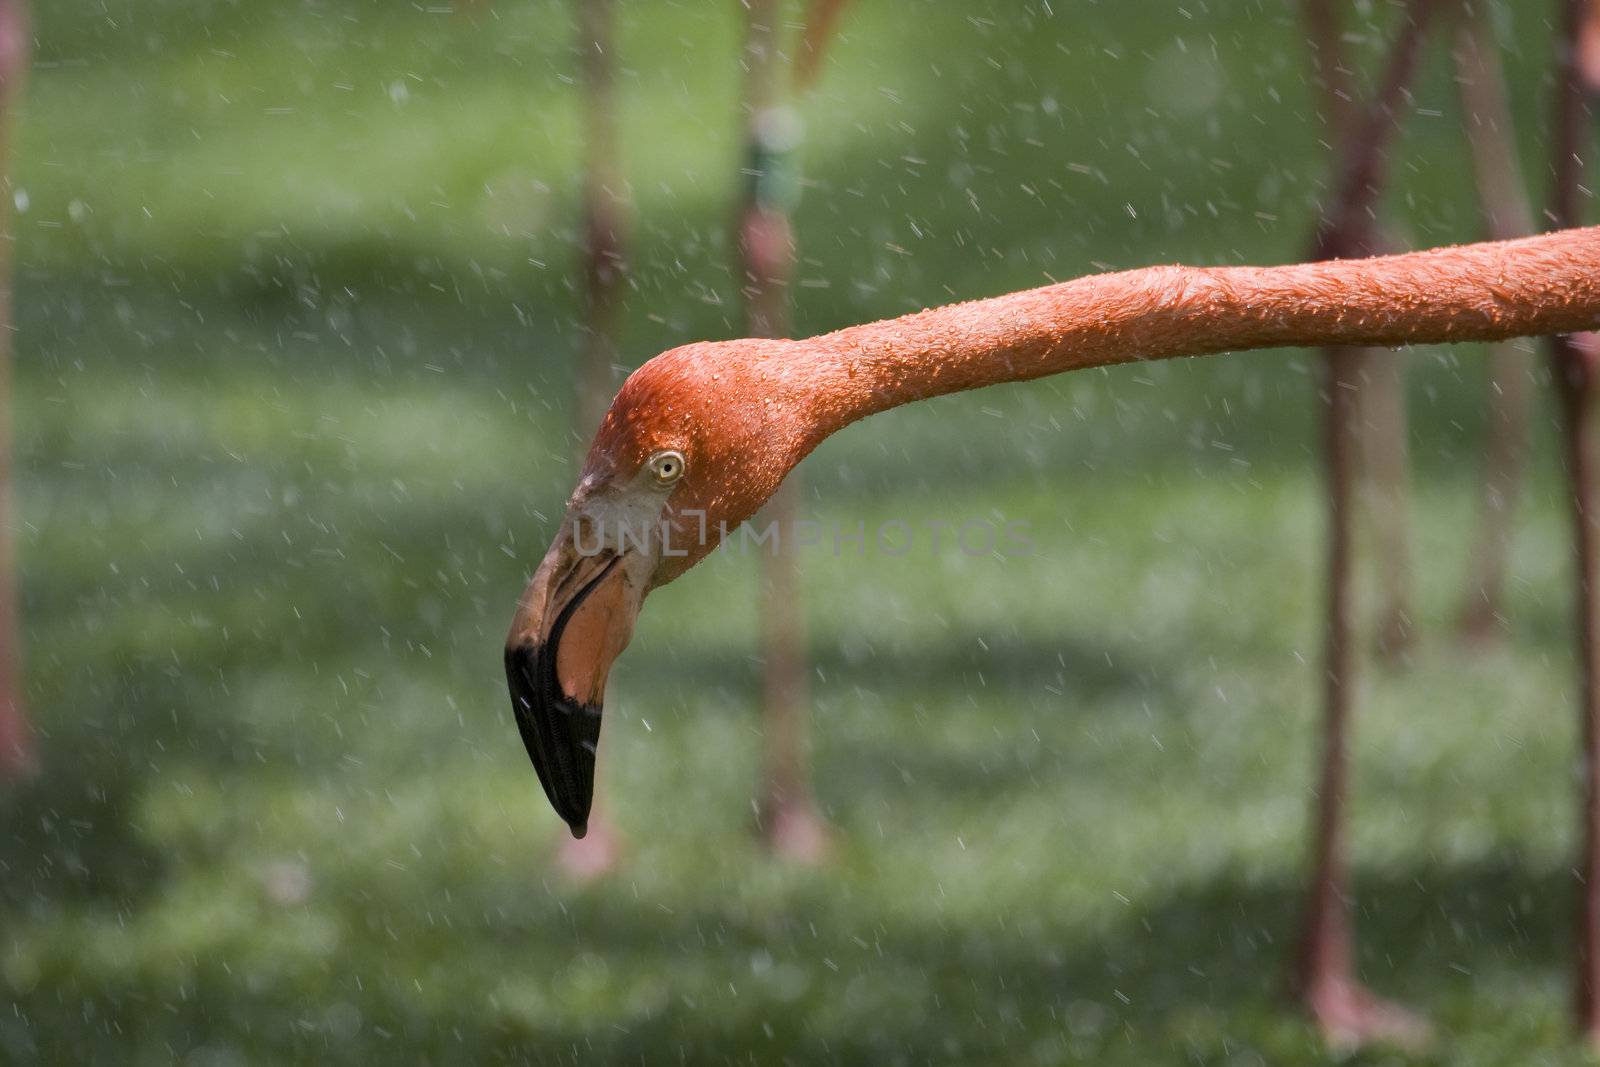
pixel 572 623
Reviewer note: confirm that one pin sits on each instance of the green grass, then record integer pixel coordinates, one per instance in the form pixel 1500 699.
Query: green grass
pixel 292 430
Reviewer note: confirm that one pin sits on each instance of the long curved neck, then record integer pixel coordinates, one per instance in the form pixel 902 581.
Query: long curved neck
pixel 1540 285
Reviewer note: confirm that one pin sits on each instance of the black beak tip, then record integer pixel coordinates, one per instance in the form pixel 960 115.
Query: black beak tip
pixel 560 733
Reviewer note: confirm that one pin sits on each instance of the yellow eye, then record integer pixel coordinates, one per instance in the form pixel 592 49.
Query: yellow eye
pixel 667 467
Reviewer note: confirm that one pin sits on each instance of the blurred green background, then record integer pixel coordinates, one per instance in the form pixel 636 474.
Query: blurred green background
pixel 297 307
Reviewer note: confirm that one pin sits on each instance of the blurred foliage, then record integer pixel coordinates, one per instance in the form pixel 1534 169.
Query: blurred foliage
pixel 296 302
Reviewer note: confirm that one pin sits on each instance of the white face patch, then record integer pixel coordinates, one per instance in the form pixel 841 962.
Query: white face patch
pixel 627 519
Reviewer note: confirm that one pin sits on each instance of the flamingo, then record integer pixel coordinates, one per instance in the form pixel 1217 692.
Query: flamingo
pixel 1362 406
pixel 603 262
pixel 786 813
pixel 701 436
pixel 1506 211
pixel 1573 363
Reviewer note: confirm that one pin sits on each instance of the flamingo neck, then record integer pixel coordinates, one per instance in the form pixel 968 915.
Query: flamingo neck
pixel 1540 285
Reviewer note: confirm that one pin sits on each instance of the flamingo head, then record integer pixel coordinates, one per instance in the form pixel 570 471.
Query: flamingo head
pixel 694 443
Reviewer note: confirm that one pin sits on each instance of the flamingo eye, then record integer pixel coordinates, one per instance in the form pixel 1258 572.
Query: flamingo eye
pixel 667 467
